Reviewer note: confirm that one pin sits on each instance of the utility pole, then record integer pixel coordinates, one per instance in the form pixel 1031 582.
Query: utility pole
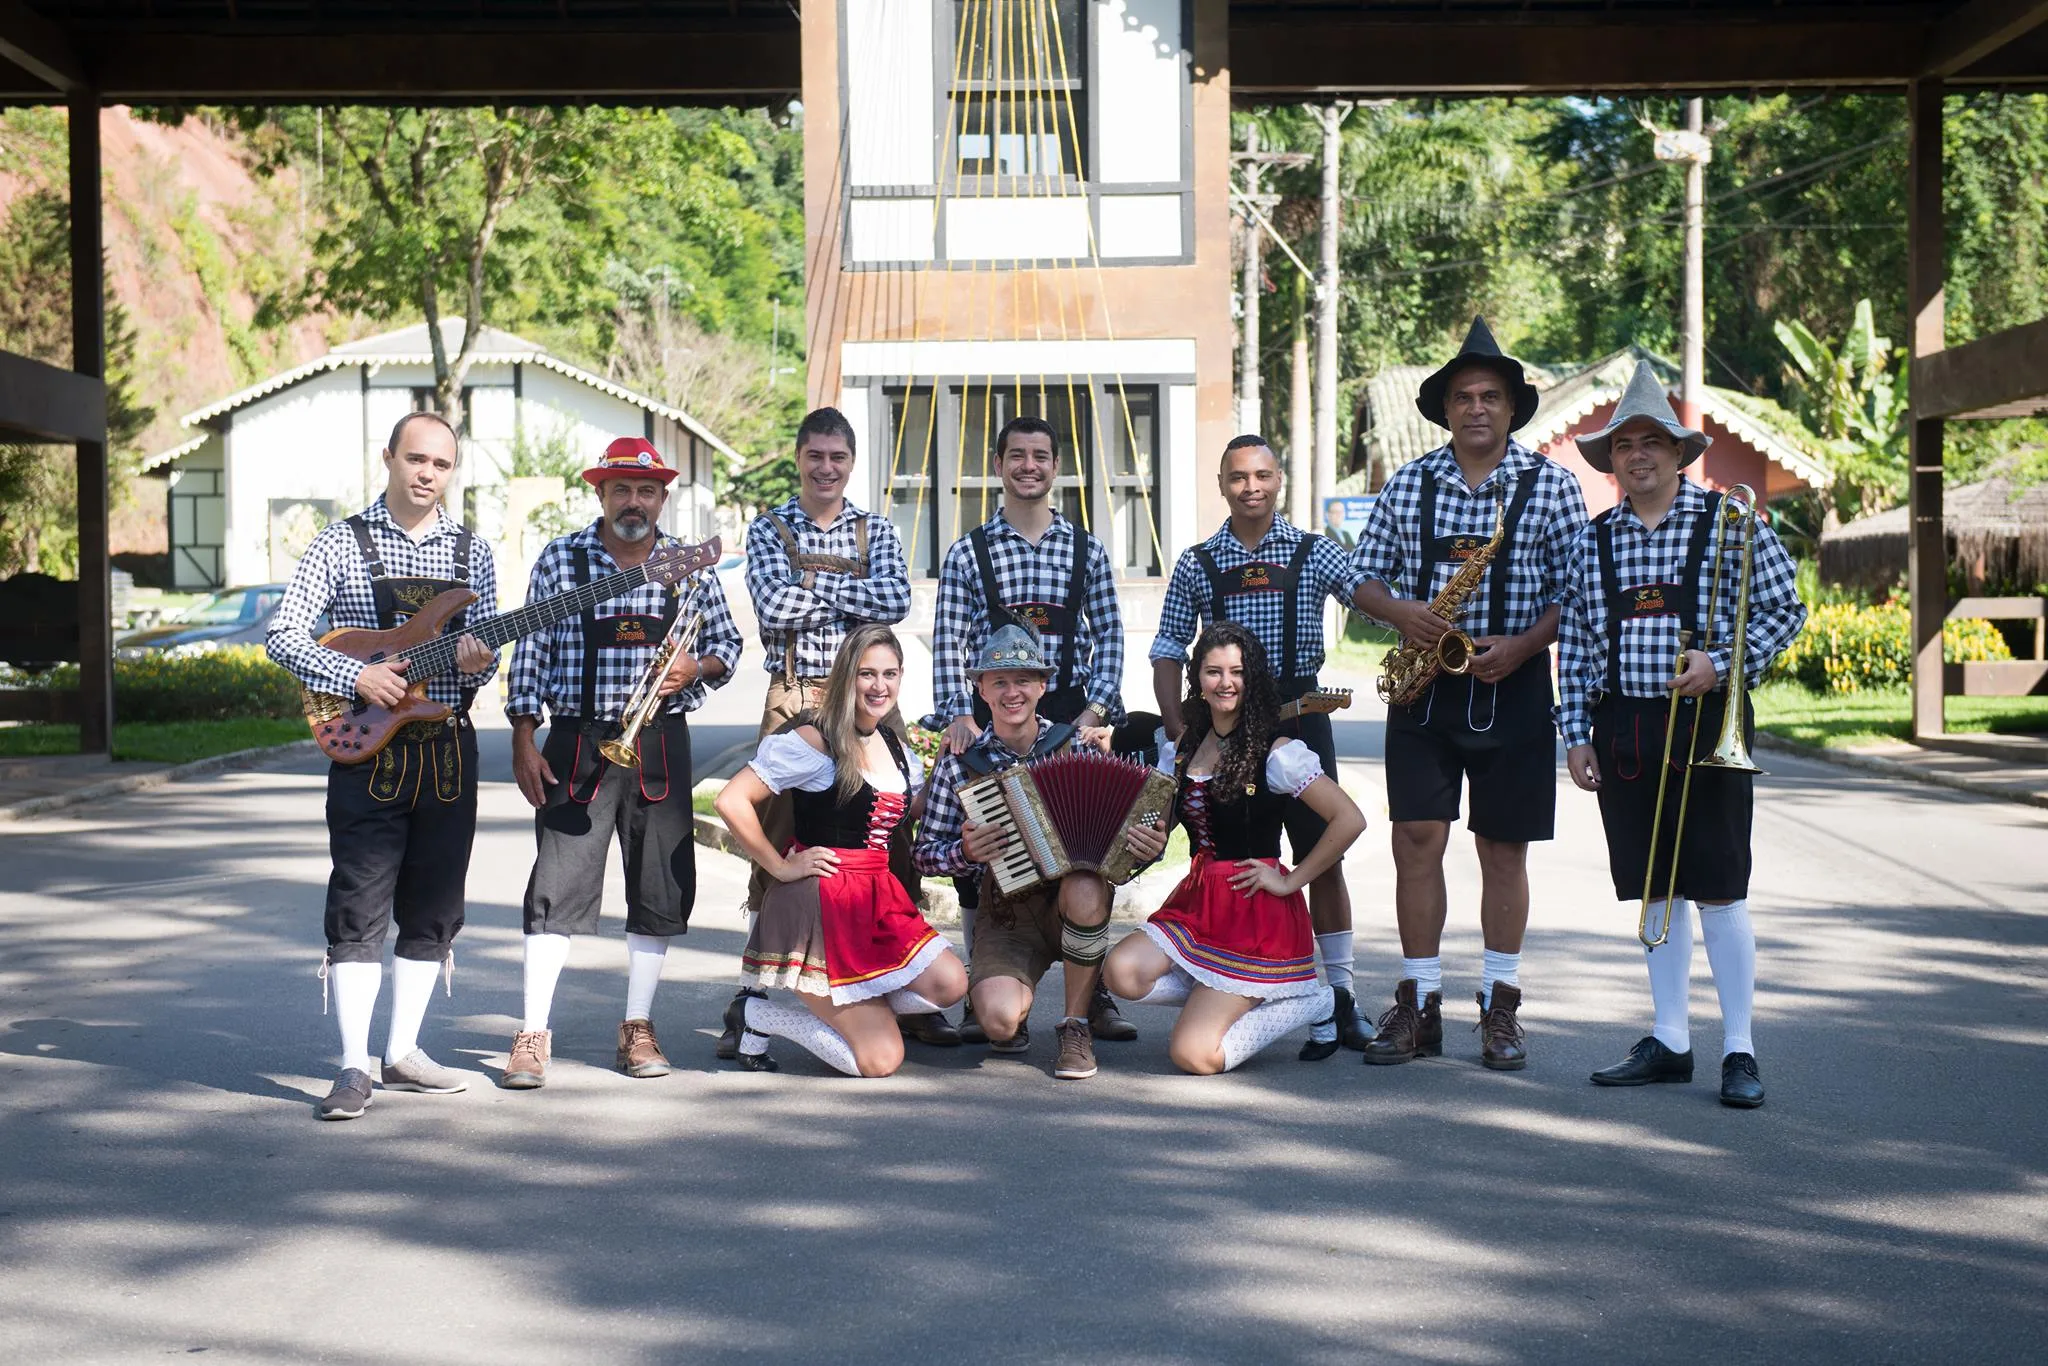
pixel 1694 148
pixel 1300 418
pixel 1331 118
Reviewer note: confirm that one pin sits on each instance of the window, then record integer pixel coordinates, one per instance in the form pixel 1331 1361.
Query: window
pixel 1018 92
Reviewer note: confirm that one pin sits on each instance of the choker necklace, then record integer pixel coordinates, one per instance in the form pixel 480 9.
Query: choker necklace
pixel 866 734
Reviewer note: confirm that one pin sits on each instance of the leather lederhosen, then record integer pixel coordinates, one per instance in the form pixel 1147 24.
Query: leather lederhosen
pixel 424 756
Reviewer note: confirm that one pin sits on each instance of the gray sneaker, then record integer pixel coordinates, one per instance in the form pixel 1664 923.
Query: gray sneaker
pixel 1016 1043
pixel 350 1096
pixel 418 1072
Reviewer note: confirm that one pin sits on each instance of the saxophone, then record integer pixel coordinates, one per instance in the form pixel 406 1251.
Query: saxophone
pixel 1408 670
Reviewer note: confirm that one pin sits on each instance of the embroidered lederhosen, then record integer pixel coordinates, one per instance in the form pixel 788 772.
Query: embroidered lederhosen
pixel 830 564
pixel 1259 577
pixel 1065 699
pixel 626 631
pixel 1643 601
pixel 1527 690
pixel 402 767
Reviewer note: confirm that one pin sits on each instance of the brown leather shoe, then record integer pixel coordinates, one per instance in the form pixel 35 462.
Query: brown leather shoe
pixel 1408 1031
pixel 528 1066
pixel 639 1051
pixel 1501 1046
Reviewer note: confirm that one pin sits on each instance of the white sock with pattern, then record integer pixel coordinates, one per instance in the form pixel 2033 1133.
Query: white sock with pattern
pixel 545 956
pixel 644 955
pixel 412 986
pixel 1268 1020
pixel 1670 966
pixel 1335 950
pixel 803 1029
pixel 1171 989
pixel 908 1002
pixel 1731 952
pixel 355 999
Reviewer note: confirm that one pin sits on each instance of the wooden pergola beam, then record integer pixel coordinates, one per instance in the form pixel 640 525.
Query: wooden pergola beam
pixel 2005 368
pixel 38 47
pixel 89 359
pixel 1978 29
pixel 1926 544
pixel 41 402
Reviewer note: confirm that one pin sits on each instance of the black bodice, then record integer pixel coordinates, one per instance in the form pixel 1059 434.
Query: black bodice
pixel 822 821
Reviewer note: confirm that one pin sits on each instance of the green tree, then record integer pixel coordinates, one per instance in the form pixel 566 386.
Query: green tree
pixel 1856 405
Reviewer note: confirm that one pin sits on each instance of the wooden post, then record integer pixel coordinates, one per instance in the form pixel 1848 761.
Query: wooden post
pixel 1927 551
pixel 88 357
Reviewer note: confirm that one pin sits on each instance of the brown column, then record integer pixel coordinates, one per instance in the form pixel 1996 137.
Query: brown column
pixel 1926 554
pixel 88 357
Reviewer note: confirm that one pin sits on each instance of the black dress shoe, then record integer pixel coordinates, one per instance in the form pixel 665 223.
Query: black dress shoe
pixel 930 1027
pixel 1648 1061
pixel 1351 1030
pixel 736 1028
pixel 1315 1051
pixel 970 1028
pixel 1741 1087
pixel 729 1041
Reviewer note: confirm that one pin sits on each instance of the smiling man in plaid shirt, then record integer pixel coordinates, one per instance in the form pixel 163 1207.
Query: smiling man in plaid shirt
pixel 1643 577
pixel 582 672
pixel 1029 564
pixel 1491 725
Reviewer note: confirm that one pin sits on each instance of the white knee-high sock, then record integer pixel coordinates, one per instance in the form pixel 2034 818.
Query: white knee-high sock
pixel 1428 974
pixel 355 999
pixel 545 955
pixel 1268 1020
pixel 803 1029
pixel 1731 952
pixel 1498 967
pixel 1670 965
pixel 644 954
pixel 412 986
pixel 1335 950
pixel 908 1002
pixel 1171 989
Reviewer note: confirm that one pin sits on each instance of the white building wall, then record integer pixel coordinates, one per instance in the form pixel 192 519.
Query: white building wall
pixel 300 443
pixel 890 106
pixel 1017 229
pixel 1139 56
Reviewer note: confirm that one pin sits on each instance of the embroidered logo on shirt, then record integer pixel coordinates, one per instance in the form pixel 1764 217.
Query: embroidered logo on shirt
pixel 1039 614
pixel 1651 600
pixel 1257 577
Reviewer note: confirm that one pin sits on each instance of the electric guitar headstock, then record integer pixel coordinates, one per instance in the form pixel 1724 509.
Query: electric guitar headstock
pixel 1321 702
pixel 671 566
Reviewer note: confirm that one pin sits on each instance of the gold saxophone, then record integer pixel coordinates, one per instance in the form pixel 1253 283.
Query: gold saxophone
pixel 1408 670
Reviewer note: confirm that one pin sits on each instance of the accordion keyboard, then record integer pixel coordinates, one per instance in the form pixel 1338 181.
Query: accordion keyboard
pixel 1014 870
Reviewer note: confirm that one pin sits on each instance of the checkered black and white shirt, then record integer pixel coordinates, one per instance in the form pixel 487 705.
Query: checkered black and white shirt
pixel 331 580
pixel 1028 573
pixel 1188 604
pixel 939 851
pixel 1539 552
pixel 547 668
pixel 817 619
pixel 1649 646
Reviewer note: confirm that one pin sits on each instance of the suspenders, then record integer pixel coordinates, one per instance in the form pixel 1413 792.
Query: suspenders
pixel 1067 623
pixel 801 561
pixel 595 641
pixel 1497 572
pixel 1636 604
pixel 1234 583
pixel 406 594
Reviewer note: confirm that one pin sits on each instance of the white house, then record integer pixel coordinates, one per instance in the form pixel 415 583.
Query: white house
pixel 268 466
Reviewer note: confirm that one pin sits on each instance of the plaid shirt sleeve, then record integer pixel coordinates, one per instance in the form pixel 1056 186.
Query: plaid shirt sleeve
pixel 780 600
pixel 1581 644
pixel 1336 571
pixel 1775 612
pixel 483 581
pixel 959 625
pixel 1562 537
pixel 1177 612
pixel 1379 553
pixel 719 639
pixel 884 594
pixel 939 850
pixel 534 655
pixel 1106 629
pixel 310 595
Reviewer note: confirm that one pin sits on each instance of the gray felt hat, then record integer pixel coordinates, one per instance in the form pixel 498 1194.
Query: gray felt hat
pixel 1011 647
pixel 1644 398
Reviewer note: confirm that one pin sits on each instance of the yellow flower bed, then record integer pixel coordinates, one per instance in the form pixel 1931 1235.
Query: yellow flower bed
pixel 1849 649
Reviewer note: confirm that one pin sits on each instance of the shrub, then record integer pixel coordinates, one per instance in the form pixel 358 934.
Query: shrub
pixel 1846 649
pixel 230 684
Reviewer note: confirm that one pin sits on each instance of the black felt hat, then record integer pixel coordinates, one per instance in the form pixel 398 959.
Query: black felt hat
pixel 1480 349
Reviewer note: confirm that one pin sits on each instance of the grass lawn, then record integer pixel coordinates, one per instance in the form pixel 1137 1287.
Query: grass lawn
pixel 1842 719
pixel 157 742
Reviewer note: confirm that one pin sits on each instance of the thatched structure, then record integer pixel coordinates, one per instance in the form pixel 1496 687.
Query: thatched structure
pixel 1996 535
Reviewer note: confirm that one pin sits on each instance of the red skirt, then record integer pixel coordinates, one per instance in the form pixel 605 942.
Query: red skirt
pixel 1258 945
pixel 852 936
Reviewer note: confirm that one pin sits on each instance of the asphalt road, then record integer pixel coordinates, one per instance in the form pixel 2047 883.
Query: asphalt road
pixel 167 1191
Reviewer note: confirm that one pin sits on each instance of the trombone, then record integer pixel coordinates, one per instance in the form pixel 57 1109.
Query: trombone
pixel 646 698
pixel 1730 753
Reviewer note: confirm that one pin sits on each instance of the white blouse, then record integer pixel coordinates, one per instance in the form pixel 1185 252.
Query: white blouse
pixel 788 761
pixel 1290 768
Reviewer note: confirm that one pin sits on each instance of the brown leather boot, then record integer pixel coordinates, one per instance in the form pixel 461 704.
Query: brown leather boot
pixel 1501 1046
pixel 1408 1031
pixel 639 1051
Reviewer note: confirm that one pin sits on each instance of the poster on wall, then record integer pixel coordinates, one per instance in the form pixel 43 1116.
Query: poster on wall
pixel 294 522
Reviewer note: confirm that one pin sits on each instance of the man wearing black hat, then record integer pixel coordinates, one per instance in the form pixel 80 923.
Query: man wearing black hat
pixel 1491 724
pixel 1643 577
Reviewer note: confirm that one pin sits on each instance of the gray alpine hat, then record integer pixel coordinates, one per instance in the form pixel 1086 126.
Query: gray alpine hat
pixel 1644 398
pixel 1011 647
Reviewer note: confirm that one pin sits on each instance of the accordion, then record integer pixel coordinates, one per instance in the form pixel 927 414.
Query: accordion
pixel 1065 813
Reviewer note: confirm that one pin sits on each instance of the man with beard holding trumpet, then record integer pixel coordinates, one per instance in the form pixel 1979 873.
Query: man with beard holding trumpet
pixel 1670 562
pixel 584 671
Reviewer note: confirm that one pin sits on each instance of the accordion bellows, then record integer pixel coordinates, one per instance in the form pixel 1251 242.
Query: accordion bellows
pixel 1065 813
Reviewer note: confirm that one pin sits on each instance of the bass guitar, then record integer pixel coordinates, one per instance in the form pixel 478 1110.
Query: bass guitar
pixel 349 730
pixel 1321 702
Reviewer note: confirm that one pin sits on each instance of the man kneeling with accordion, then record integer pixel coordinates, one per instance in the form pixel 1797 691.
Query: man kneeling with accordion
pixel 1047 842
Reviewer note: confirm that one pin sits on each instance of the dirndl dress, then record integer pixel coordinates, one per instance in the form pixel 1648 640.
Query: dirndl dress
pixel 856 935
pixel 1257 945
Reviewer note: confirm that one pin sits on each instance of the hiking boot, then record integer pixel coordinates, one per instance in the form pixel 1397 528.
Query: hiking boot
pixel 930 1027
pixel 1076 1060
pixel 970 1028
pixel 350 1096
pixel 527 1068
pixel 1408 1031
pixel 1106 1022
pixel 639 1051
pixel 418 1072
pixel 1501 1047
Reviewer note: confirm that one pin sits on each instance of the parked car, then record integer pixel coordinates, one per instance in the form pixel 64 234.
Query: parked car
pixel 233 616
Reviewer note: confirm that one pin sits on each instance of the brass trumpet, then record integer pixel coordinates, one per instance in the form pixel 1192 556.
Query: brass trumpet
pixel 1730 753
pixel 646 698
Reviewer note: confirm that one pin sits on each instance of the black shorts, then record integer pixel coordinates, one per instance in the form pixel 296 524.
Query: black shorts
pixel 1714 859
pixel 1510 757
pixel 1304 826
